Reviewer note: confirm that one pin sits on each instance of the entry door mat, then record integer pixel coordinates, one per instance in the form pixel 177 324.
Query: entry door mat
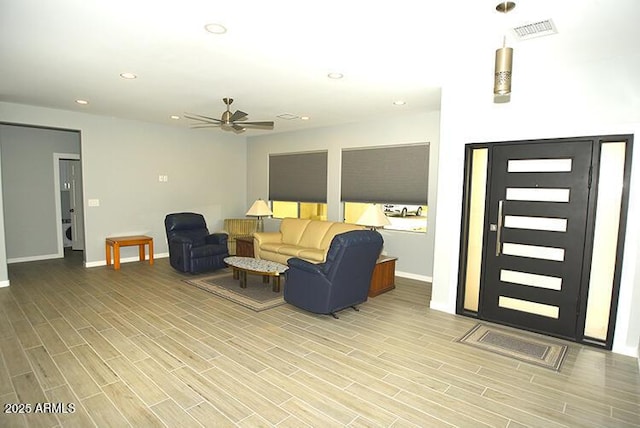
pixel 523 347
pixel 258 295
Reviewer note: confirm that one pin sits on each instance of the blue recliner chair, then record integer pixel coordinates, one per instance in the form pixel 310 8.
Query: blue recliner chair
pixel 340 282
pixel 191 248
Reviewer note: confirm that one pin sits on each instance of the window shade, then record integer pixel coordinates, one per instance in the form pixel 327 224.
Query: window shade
pixel 397 175
pixel 298 177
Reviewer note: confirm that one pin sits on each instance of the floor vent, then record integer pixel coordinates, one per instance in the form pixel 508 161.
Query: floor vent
pixel 536 29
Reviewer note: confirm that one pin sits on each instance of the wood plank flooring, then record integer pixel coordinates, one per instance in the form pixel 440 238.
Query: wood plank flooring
pixel 138 347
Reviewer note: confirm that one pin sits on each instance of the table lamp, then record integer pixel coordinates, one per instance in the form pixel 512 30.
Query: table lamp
pixel 259 209
pixel 373 217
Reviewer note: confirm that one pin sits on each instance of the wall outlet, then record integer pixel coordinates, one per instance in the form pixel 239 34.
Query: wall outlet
pixel 163 178
pixel 93 202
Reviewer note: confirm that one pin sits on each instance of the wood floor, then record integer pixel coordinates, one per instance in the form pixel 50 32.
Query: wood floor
pixel 138 347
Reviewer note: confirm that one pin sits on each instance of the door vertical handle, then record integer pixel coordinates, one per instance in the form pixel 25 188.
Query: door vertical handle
pixel 499 231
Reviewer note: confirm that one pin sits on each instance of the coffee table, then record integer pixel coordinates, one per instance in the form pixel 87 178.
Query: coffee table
pixel 243 265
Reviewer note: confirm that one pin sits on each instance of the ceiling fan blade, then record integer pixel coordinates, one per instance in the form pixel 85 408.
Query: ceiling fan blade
pixel 237 115
pixel 211 125
pixel 201 118
pixel 237 128
pixel 266 124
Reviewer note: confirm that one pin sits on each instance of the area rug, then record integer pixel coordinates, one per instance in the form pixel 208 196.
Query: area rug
pixel 523 347
pixel 257 296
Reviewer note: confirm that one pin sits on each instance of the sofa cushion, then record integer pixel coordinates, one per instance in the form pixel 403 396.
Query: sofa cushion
pixel 314 233
pixel 335 229
pixel 312 255
pixel 292 230
pixel 305 239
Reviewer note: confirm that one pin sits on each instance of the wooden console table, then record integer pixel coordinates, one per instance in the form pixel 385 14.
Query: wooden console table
pixel 127 241
pixel 384 276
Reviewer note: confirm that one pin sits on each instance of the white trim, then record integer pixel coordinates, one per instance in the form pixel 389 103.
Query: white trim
pixel 4 283
pixel 629 351
pixel 125 260
pixel 414 276
pixel 35 258
pixel 440 307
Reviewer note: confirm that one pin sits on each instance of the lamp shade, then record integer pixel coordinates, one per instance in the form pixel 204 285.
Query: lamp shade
pixel 373 217
pixel 259 209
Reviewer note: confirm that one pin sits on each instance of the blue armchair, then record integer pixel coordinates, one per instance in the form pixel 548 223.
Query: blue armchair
pixel 191 248
pixel 342 281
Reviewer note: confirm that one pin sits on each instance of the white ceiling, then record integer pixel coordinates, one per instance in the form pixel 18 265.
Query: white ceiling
pixel 276 55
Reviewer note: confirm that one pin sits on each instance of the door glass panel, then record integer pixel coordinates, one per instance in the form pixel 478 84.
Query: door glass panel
pixel 539 165
pixel 537 194
pixel 531 279
pixel 476 228
pixel 533 251
pixel 605 240
pixel 529 307
pixel 536 223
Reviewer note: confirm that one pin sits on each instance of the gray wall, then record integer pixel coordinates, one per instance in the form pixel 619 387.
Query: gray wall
pixel 31 230
pixel 121 162
pixel 414 250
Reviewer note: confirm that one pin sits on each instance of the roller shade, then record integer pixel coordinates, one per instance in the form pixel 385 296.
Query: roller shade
pixel 397 174
pixel 298 177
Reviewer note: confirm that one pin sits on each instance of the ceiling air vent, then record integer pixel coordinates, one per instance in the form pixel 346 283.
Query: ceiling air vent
pixel 536 29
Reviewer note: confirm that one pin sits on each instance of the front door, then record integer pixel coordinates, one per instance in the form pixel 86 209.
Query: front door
pixel 537 213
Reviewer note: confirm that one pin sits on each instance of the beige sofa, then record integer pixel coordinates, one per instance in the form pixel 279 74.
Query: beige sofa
pixel 305 239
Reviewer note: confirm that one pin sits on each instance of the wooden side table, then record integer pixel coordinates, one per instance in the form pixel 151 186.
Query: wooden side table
pixel 116 242
pixel 384 276
pixel 244 246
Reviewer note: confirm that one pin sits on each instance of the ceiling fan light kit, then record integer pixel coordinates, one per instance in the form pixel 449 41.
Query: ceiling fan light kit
pixel 504 59
pixel 235 121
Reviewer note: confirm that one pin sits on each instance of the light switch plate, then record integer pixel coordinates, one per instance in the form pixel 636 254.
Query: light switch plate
pixel 94 202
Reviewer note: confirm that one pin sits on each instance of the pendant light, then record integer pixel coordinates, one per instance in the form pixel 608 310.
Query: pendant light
pixel 504 59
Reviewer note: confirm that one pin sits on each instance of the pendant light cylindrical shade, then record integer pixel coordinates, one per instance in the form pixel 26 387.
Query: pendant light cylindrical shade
pixel 503 68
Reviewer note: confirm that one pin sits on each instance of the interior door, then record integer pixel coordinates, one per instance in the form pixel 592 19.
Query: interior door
pixel 537 217
pixel 75 200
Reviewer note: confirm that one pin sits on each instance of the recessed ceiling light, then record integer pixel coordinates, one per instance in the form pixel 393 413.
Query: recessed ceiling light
pixel 399 103
pixel 83 102
pixel 304 117
pixel 335 75
pixel 214 28
pixel 128 76
pixel 174 117
pixel 287 116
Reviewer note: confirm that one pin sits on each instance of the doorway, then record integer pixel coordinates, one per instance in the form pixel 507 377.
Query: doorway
pixel 68 190
pixel 542 235
pixel 31 211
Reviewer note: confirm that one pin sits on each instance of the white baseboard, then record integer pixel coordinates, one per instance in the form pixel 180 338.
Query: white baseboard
pixel 629 351
pixel 125 260
pixel 440 307
pixel 4 283
pixel 35 258
pixel 414 276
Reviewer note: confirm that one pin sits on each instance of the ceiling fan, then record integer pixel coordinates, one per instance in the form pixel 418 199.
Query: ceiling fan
pixel 235 121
